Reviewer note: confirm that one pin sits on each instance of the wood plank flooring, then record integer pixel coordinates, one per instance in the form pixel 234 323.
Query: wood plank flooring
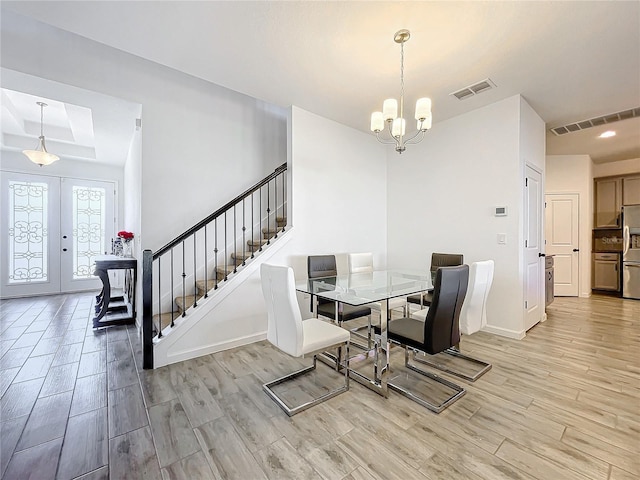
pixel 563 403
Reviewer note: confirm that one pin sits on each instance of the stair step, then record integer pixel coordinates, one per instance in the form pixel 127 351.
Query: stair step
pixel 204 288
pixel 254 245
pixel 188 301
pixel 270 232
pixel 220 272
pixel 240 257
pixel 281 221
pixel 165 319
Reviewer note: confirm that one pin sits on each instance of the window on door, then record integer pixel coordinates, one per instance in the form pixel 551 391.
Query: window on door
pixel 56 227
pixel 28 232
pixel 88 228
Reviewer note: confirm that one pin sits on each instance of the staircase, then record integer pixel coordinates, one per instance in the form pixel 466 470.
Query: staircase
pixel 196 264
pixel 222 274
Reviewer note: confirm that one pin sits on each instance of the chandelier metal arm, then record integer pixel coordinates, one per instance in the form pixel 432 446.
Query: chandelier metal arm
pixel 418 133
pixel 385 141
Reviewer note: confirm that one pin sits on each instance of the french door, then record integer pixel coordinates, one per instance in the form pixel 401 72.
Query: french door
pixel 52 230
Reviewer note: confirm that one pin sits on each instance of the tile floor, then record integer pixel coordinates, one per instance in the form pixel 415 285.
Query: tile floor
pixel 61 385
pixel 560 404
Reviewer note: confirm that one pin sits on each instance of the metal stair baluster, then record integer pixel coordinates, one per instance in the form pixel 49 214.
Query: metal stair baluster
pixel 184 286
pixel 171 295
pixel 195 269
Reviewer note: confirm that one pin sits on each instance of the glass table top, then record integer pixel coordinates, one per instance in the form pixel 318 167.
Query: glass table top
pixel 363 288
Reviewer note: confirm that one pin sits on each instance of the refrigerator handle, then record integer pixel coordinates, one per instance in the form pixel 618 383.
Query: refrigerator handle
pixel 626 240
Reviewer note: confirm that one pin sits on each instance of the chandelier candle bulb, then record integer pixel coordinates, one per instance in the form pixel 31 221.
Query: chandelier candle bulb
pixel 425 124
pixel 398 127
pixel 390 109
pixel 423 108
pixel 377 122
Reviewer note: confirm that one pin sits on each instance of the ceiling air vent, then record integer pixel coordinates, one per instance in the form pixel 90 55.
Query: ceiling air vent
pixel 474 89
pixel 594 122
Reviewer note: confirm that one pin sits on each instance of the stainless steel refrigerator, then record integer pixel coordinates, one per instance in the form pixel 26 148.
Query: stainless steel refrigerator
pixel 631 251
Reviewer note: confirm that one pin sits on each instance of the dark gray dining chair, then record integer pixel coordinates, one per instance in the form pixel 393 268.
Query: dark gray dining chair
pixel 437 333
pixel 473 317
pixel 437 260
pixel 319 266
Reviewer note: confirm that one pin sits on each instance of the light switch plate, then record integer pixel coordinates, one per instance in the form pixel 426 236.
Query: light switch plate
pixel 502 239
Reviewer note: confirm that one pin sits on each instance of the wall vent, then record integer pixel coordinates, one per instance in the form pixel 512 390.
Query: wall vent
pixel 474 89
pixel 594 122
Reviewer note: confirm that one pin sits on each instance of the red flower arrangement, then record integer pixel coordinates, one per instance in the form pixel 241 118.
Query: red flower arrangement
pixel 126 236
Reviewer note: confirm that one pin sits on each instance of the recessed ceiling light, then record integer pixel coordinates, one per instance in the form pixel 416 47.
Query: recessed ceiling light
pixel 607 134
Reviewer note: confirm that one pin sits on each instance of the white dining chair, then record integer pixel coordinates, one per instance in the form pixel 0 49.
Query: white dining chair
pixel 361 264
pixel 287 331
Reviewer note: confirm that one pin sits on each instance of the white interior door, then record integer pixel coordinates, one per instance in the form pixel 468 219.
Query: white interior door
pixel 86 228
pixel 30 240
pixel 52 229
pixel 534 266
pixel 561 233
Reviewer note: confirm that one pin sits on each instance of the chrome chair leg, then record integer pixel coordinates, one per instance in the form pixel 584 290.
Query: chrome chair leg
pixel 455 352
pixel 268 387
pixel 459 391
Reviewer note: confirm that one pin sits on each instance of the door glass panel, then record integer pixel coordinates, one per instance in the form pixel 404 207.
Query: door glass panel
pixel 89 238
pixel 28 232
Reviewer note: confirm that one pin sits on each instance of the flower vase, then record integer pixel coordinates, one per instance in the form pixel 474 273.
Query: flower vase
pixel 127 248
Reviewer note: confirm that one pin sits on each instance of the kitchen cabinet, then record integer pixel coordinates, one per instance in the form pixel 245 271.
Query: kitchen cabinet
pixel 631 190
pixel 608 202
pixel 606 271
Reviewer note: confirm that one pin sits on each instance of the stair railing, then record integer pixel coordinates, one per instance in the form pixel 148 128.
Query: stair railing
pixel 170 275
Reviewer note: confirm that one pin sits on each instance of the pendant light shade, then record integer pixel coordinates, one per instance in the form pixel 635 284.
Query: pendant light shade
pixel 40 155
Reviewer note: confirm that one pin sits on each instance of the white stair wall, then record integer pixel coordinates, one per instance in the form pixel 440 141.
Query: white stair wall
pixel 213 325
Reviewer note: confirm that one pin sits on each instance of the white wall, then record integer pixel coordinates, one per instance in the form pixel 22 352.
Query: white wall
pixel 573 174
pixel 621 167
pixel 197 136
pixel 532 147
pixel 443 191
pixel 338 194
pixel 17 162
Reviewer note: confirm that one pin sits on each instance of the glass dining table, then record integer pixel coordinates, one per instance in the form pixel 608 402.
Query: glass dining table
pixel 359 289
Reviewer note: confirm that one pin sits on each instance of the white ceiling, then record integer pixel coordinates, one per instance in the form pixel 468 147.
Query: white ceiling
pixel 78 124
pixel 570 60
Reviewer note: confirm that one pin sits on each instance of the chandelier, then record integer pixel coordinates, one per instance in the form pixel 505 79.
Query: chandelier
pixel 40 154
pixel 396 125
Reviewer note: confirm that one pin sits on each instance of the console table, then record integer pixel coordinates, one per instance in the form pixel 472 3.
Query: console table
pixel 117 309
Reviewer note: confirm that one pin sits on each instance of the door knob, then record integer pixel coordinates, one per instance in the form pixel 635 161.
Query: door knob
pixel 576 249
pixel 64 249
pixel 64 236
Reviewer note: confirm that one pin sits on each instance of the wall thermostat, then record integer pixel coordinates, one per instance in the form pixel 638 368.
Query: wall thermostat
pixel 501 212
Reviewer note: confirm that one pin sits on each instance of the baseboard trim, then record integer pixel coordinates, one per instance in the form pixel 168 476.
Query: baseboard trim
pixel 504 332
pixel 187 354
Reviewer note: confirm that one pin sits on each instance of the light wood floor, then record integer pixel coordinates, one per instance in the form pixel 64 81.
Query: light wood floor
pixel 563 403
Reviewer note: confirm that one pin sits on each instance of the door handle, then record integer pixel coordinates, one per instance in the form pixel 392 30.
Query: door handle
pixel 64 249
pixel 541 255
pixel 576 249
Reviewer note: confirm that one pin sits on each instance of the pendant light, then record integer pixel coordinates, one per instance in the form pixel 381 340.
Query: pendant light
pixel 396 125
pixel 40 155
